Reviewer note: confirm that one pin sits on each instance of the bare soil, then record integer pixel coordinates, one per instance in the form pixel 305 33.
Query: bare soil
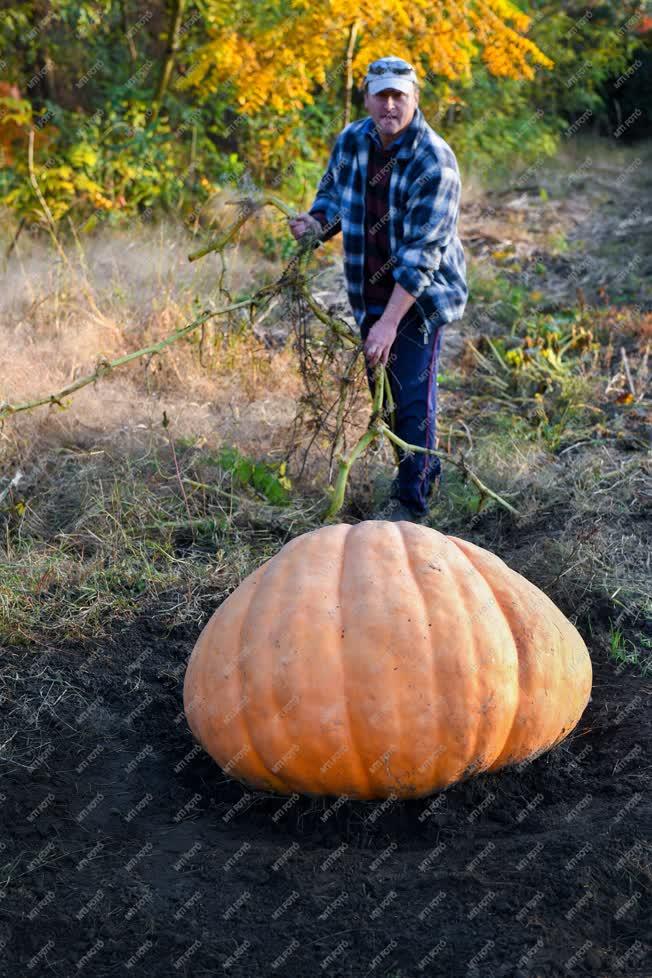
pixel 126 848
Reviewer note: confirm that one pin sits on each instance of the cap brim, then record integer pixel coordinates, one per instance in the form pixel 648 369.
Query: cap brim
pixel 399 82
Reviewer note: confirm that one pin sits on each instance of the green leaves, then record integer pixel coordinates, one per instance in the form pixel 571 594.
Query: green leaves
pixel 267 478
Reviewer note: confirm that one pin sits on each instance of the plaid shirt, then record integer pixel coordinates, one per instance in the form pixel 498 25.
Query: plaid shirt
pixel 424 195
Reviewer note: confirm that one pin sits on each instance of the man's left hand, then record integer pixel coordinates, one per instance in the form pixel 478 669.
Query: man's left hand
pixel 379 341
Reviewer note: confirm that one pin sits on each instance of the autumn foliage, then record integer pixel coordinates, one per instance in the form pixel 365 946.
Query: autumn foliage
pixel 276 68
pixel 134 107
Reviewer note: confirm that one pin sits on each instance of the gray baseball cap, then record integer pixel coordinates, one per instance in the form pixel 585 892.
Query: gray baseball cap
pixel 390 72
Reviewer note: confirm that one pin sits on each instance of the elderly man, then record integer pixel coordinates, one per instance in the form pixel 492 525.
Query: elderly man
pixel 393 188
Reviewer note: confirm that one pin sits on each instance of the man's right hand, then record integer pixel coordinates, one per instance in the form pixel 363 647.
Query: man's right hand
pixel 303 223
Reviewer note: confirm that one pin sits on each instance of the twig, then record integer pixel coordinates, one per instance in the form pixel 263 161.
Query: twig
pixel 497 355
pixel 460 463
pixel 12 485
pixel 14 240
pixel 627 371
pixel 211 488
pixel 166 425
pixel 41 199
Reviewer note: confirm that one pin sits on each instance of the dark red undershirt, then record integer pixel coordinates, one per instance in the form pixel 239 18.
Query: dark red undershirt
pixel 378 278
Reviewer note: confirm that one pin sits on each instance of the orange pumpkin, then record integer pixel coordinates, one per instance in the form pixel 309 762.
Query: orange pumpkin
pixel 382 659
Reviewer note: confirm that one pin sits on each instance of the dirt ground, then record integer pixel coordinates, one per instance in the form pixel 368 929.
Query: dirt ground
pixel 125 849
pixel 130 851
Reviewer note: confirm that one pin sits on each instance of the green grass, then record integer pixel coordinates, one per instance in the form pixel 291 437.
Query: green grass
pixel 506 301
pixel 625 652
pixel 101 541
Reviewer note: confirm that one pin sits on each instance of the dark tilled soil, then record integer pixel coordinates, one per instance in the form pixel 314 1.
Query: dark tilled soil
pixel 127 851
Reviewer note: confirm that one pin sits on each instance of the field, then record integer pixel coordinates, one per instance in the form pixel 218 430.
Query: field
pixel 125 523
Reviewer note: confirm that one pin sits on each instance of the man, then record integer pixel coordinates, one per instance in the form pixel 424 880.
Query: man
pixel 393 188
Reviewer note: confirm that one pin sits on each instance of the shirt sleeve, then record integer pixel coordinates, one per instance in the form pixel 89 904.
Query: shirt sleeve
pixel 326 205
pixel 330 230
pixel 429 224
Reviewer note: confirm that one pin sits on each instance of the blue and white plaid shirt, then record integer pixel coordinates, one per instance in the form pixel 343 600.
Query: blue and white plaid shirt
pixel 424 198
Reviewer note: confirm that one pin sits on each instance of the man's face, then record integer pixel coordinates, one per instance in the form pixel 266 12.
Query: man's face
pixel 392 111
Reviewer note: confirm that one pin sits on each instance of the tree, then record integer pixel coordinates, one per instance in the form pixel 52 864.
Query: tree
pixel 278 56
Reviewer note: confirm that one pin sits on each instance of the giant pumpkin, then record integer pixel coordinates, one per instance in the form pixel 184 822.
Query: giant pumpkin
pixel 382 659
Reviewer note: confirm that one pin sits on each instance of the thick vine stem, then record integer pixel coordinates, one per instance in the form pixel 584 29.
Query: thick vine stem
pixel 105 366
pixel 294 277
pixel 485 491
pixel 249 206
pixel 344 469
pixel 337 325
pixel 378 428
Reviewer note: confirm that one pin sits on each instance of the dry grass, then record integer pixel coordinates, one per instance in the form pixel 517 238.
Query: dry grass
pixel 145 288
pixel 113 516
pixel 98 526
pixel 102 536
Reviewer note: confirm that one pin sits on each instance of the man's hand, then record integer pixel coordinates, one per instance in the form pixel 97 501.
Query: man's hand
pixel 379 341
pixel 303 223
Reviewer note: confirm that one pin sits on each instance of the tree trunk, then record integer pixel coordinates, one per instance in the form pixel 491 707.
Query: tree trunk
pixel 353 33
pixel 133 54
pixel 47 74
pixel 173 45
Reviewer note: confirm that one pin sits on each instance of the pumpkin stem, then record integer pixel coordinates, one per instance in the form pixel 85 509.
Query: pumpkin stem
pixel 344 468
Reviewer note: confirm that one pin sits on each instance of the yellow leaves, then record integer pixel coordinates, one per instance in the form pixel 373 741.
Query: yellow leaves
pixel 15 110
pixel 200 70
pixel 82 182
pixel 284 479
pixel 83 155
pixel 514 358
pixel 275 65
pixel 57 180
pixel 551 356
pixel 505 51
pixel 101 202
pixel 508 11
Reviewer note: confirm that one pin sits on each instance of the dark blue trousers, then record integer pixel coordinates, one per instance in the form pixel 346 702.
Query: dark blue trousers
pixel 412 373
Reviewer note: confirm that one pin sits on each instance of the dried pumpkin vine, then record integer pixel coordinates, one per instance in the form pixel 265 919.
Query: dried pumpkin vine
pixel 293 283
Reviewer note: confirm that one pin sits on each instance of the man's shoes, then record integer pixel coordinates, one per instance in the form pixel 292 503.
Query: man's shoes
pixel 403 512
pixel 395 511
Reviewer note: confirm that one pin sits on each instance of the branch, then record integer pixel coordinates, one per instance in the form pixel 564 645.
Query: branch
pixel 52 228
pixel 170 52
pixel 249 206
